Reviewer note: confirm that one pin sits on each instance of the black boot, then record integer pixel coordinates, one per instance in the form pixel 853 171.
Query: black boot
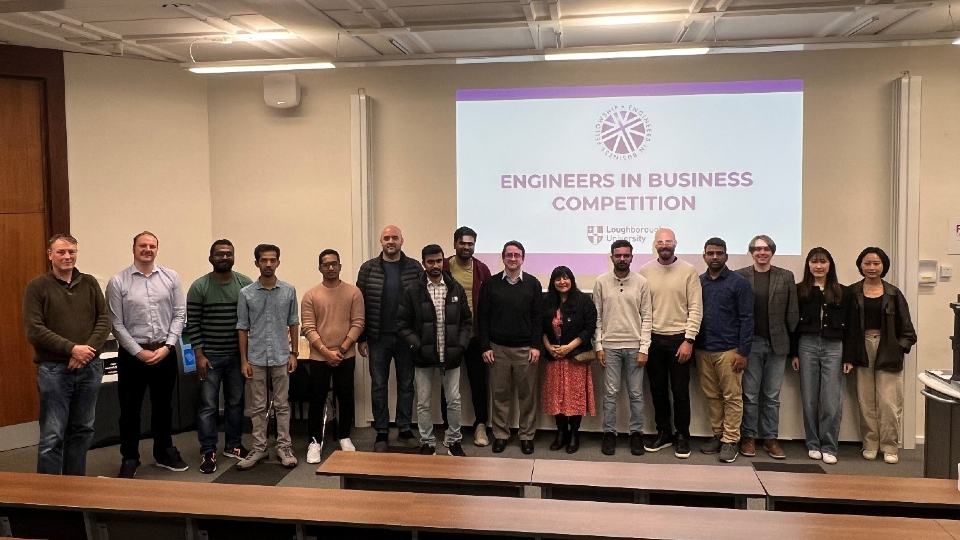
pixel 563 433
pixel 574 443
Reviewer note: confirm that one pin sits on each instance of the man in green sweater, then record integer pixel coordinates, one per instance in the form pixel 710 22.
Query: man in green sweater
pixel 65 316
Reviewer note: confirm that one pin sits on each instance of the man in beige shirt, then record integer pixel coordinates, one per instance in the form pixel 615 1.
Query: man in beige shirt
pixel 332 320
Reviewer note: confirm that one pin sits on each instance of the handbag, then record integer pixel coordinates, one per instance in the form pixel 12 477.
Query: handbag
pixel 585 357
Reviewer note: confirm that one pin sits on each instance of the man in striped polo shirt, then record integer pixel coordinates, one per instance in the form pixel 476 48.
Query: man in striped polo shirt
pixel 212 329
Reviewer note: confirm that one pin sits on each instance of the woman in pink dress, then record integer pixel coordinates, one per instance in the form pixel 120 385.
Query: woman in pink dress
pixel 569 321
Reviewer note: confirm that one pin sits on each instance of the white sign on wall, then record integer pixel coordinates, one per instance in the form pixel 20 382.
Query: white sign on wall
pixel 954 235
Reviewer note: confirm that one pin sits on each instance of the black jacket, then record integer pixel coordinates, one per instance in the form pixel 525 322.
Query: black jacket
pixel 371 280
pixel 579 321
pixel 839 321
pixel 417 323
pixel 897 334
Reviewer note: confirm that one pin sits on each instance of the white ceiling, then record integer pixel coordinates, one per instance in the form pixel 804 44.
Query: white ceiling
pixel 404 30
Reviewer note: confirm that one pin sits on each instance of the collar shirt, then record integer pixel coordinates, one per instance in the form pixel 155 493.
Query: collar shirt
pixel 438 294
pixel 727 313
pixel 267 315
pixel 513 281
pixel 146 309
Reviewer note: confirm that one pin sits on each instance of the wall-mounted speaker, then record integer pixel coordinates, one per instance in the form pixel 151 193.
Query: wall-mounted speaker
pixel 281 90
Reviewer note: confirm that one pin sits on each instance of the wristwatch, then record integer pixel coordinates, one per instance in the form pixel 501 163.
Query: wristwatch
pixel 689 340
pixel 170 348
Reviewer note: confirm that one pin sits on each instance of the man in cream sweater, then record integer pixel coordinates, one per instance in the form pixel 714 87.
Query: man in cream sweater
pixel 677 310
pixel 622 340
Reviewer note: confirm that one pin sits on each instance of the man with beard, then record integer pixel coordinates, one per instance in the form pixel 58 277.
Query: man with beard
pixel 434 320
pixel 510 338
pixel 622 342
pixel 723 346
pixel 269 330
pixel 382 281
pixel 470 273
pixel 148 310
pixel 676 298
pixel 212 329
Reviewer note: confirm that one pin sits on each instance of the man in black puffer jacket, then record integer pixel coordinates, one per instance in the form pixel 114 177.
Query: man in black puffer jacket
pixel 382 281
pixel 434 320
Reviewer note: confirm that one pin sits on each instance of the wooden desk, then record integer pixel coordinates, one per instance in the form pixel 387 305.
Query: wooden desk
pixel 864 495
pixel 683 485
pixel 951 526
pixel 364 514
pixel 503 477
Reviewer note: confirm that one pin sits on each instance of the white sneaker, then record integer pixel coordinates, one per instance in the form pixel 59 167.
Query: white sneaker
pixel 814 454
pixel 313 452
pixel 892 459
pixel 829 459
pixel 869 455
pixel 347 445
pixel 249 462
pixel 480 435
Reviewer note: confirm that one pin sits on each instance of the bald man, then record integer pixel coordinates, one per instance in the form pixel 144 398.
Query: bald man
pixel 382 281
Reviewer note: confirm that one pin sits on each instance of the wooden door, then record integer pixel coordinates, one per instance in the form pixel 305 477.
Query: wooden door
pixel 23 229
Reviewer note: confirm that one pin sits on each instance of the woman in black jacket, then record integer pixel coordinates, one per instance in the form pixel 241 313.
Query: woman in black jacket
pixel 888 334
pixel 822 352
pixel 569 321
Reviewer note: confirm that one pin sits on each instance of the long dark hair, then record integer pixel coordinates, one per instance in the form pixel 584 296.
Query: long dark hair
pixel 553 296
pixel 832 290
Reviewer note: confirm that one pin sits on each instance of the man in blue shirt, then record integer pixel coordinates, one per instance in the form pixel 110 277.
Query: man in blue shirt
pixel 722 348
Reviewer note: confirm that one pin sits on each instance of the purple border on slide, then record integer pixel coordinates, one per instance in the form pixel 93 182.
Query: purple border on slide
pixel 626 90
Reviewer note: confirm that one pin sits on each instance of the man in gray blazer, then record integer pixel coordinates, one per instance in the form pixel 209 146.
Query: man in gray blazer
pixel 775 316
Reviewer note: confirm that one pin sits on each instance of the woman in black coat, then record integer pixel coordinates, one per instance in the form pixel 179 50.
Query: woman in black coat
pixel 888 335
pixel 569 321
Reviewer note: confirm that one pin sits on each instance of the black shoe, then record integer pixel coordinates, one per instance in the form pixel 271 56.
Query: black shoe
pixel 560 440
pixel 499 445
pixel 427 449
pixel 526 447
pixel 712 446
pixel 454 449
pixel 662 441
pixel 406 436
pixel 574 443
pixel 128 468
pixel 380 444
pixel 208 462
pixel 609 444
pixel 237 452
pixel 728 453
pixel 171 460
pixel 636 443
pixel 681 447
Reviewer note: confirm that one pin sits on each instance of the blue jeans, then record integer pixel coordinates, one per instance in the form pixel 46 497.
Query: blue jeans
pixel 821 390
pixel 761 391
pixel 621 364
pixel 381 351
pixel 450 381
pixel 68 404
pixel 223 369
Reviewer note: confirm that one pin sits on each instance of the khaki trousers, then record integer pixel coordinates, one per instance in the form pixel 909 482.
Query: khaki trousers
pixel 511 369
pixel 257 402
pixel 724 393
pixel 880 395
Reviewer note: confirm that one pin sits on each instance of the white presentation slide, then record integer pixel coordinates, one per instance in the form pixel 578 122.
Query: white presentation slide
pixel 568 170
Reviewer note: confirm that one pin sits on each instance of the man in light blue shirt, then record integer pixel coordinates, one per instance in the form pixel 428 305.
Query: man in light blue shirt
pixel 269 328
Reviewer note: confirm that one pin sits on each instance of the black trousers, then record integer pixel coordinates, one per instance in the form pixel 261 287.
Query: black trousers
pixel 133 379
pixel 479 379
pixel 668 376
pixel 320 374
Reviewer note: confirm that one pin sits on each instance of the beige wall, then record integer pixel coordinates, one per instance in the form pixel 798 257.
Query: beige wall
pixel 284 176
pixel 138 157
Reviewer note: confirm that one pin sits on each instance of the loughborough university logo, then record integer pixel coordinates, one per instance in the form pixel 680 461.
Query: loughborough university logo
pixel 623 131
pixel 595 234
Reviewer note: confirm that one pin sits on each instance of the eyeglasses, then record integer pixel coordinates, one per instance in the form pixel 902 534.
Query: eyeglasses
pixel 760 248
pixel 512 255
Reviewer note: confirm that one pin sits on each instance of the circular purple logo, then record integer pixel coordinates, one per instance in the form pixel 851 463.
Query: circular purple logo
pixel 623 131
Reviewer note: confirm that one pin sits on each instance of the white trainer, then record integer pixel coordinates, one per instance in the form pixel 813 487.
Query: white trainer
pixel 814 454
pixel 347 445
pixel 869 455
pixel 829 459
pixel 480 435
pixel 892 459
pixel 313 452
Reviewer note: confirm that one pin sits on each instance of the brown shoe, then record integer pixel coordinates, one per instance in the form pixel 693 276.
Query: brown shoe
pixel 772 446
pixel 748 447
